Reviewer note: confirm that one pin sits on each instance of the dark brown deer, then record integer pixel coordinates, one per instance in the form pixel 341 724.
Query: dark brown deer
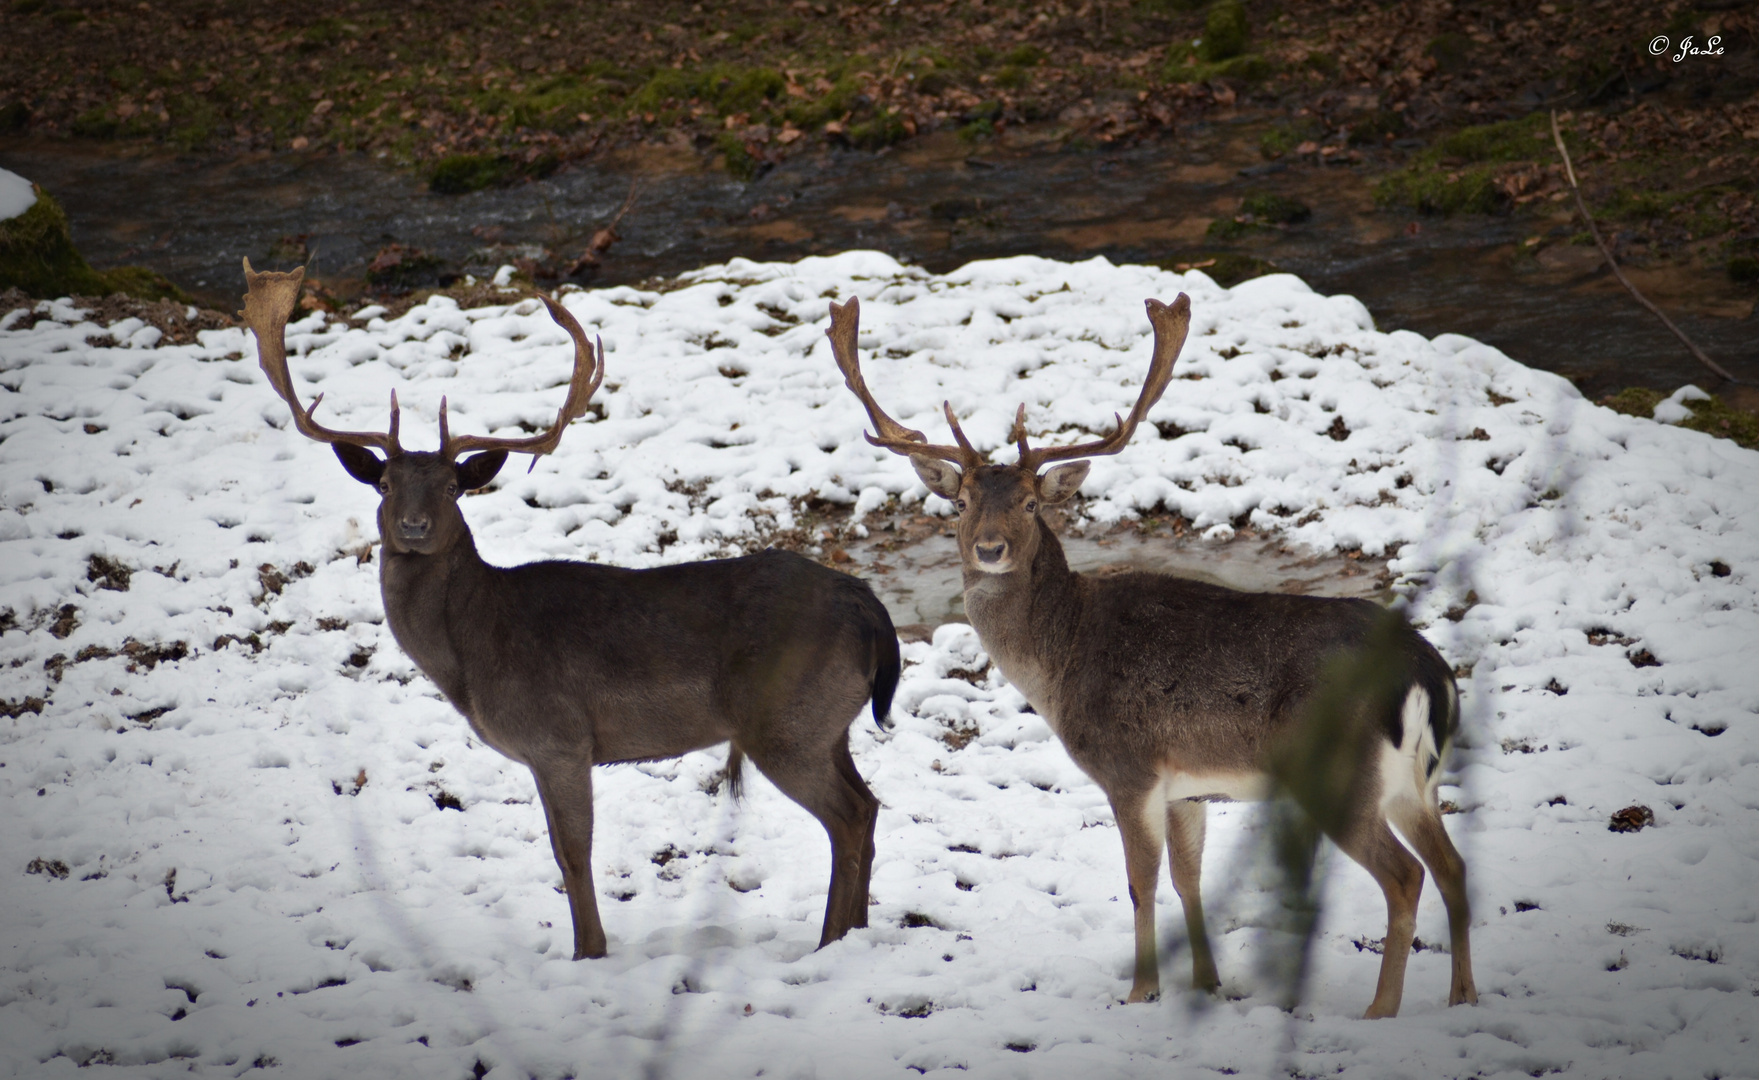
pixel 565 665
pixel 1172 693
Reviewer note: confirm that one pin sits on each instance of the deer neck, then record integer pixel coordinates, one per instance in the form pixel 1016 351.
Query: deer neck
pixel 427 598
pixel 1027 618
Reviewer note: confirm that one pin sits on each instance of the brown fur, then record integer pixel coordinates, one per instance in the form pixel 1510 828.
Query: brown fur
pixel 565 665
pixel 1170 692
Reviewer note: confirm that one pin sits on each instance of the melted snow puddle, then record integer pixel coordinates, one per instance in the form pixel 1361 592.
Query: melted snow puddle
pixel 918 578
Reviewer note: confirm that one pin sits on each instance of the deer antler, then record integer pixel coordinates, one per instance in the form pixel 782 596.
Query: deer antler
pixel 845 323
pixel 1171 323
pixel 269 303
pixel 589 372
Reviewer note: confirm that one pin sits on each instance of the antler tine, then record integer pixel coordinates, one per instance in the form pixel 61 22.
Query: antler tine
pixel 1171 323
pixel 268 304
pixel 845 326
pixel 589 372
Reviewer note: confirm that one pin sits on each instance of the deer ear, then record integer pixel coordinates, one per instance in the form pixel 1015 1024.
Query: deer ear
pixel 1061 482
pixel 478 469
pixel 361 463
pixel 940 476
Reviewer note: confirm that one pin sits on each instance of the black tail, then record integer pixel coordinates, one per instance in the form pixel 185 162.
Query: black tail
pixel 734 773
pixel 882 638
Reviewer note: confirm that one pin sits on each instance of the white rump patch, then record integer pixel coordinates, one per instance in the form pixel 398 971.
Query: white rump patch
pixel 1405 769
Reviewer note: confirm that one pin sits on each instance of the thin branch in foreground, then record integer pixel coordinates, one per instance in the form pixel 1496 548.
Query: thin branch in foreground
pixel 1570 172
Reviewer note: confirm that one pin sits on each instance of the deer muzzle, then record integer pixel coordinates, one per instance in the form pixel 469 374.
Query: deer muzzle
pixel 992 558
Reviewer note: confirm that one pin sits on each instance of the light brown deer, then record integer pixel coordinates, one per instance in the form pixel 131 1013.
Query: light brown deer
pixel 1172 693
pixel 565 665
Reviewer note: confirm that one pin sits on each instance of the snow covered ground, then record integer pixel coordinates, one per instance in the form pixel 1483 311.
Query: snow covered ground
pixel 225 845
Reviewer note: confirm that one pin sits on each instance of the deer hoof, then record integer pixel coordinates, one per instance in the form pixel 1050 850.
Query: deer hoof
pixel 1142 993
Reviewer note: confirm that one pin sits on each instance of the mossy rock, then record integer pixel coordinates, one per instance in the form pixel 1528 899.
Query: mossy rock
pixel 1468 191
pixel 1277 209
pixel 1224 32
pixel 1225 268
pixel 37 255
pixel 462 173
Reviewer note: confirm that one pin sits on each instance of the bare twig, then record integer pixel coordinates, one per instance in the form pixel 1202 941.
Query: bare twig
pixel 1612 263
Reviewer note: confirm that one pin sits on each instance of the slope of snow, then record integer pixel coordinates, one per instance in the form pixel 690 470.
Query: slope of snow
pixel 226 849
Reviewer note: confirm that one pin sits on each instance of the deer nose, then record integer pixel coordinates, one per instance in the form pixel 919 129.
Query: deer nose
pixel 991 553
pixel 413 525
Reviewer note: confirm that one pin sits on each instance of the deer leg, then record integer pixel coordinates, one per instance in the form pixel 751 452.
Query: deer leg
pixel 1400 877
pixel 831 790
pixel 566 793
pixel 870 813
pixel 1422 826
pixel 1185 828
pixel 1142 825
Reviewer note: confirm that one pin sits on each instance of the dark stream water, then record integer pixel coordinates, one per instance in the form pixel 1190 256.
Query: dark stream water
pixel 938 203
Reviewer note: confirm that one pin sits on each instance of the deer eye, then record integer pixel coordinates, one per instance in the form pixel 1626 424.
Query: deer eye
pixel 960 503
pixel 452 488
pixel 1032 506
pixel 384 487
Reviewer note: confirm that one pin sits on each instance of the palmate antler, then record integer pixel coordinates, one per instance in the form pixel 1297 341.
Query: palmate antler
pixel 1171 322
pixel 270 302
pixel 845 328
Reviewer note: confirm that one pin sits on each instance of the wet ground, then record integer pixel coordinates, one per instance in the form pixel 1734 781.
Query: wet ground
pixel 938 202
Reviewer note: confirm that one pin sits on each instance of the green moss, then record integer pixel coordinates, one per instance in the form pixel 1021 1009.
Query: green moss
pixel 883 130
pixel 1185 66
pixel 38 256
pixel 740 164
pixel 1025 56
pixel 1227 228
pixel 1468 191
pixel 1510 140
pixel 1634 401
pixel 1437 184
pixel 1283 138
pixel 729 88
pixel 1226 268
pixel 1278 209
pixel 138 281
pixel 1224 32
pixel 1713 416
pixel 557 104
pixel 977 130
pixel 1324 63
pixel 14 116
pixel 461 173
pixel 1011 77
pixel 837 102
pixel 1717 417
pixel 96 124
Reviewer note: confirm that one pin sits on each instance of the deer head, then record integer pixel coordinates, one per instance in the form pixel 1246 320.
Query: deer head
pixel 418 508
pixel 999 505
